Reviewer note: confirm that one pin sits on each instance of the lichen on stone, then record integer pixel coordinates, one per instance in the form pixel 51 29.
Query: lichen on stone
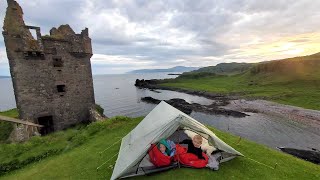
pixel 13 21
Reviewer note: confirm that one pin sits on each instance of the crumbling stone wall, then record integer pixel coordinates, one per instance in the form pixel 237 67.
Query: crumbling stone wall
pixel 22 133
pixel 51 74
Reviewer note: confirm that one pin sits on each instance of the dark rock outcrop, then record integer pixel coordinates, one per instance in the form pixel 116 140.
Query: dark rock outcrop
pixel 308 155
pixel 151 100
pixel 187 108
pixel 155 84
pixel 180 104
pixel 146 83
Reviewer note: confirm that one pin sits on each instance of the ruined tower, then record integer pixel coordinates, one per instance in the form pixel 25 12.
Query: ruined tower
pixel 51 74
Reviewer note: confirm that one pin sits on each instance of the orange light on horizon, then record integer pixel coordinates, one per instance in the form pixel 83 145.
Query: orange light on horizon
pixel 298 45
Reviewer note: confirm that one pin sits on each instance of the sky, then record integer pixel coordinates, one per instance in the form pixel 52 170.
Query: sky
pixel 134 34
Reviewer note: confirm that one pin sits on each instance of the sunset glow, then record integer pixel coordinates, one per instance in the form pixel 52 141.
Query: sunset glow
pixel 299 45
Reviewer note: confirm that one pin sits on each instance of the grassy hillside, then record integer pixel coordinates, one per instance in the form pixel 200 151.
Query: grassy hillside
pixel 6 127
pixel 294 81
pixel 79 157
pixel 225 68
pixel 173 69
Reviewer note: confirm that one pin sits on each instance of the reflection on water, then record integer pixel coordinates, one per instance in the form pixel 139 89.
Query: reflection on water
pixel 118 96
pixel 264 129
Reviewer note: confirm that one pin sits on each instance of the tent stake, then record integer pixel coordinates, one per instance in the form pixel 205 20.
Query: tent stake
pixel 239 140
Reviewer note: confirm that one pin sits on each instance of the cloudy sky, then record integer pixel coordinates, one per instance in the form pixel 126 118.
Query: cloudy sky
pixel 136 34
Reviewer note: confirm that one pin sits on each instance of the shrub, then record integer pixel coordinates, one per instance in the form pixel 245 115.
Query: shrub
pixel 16 164
pixel 79 139
pixel 7 127
pixel 99 109
pixel 94 128
pixel 5 130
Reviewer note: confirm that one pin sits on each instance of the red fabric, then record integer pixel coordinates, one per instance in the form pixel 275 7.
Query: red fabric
pixel 157 158
pixel 190 159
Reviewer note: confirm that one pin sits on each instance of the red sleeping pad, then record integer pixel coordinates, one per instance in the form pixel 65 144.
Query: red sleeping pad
pixel 157 158
pixel 190 159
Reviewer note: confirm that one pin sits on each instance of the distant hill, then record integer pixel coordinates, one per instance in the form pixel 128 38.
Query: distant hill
pixel 225 68
pixel 296 67
pixel 3 77
pixel 294 81
pixel 303 67
pixel 174 69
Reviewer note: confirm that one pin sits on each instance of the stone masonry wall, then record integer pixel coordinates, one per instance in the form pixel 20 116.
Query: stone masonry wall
pixel 42 67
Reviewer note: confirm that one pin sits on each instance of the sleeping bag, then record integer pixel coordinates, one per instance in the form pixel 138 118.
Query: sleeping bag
pixel 157 158
pixel 190 159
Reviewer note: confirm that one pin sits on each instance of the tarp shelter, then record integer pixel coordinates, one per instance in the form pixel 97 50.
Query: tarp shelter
pixel 164 121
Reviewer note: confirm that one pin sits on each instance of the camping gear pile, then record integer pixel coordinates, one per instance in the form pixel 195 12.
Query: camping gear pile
pixel 139 153
pixel 189 159
pixel 176 153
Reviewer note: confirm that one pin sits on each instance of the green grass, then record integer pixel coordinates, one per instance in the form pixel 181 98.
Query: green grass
pixel 10 113
pixel 6 127
pixel 81 161
pixel 297 90
pixel 293 81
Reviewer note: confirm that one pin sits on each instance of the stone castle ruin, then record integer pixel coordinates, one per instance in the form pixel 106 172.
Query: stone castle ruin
pixel 51 74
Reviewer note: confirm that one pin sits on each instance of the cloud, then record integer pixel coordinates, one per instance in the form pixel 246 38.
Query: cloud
pixel 133 34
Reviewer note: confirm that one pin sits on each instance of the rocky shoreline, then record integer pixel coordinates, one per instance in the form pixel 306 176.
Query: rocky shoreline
pixel 236 103
pixel 215 108
pixel 305 116
pixel 153 84
pixel 233 105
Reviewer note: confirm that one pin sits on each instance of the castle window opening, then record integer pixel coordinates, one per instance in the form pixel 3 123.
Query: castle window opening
pixel 57 62
pixel 47 122
pixel 61 88
pixel 34 55
pixel 33 33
